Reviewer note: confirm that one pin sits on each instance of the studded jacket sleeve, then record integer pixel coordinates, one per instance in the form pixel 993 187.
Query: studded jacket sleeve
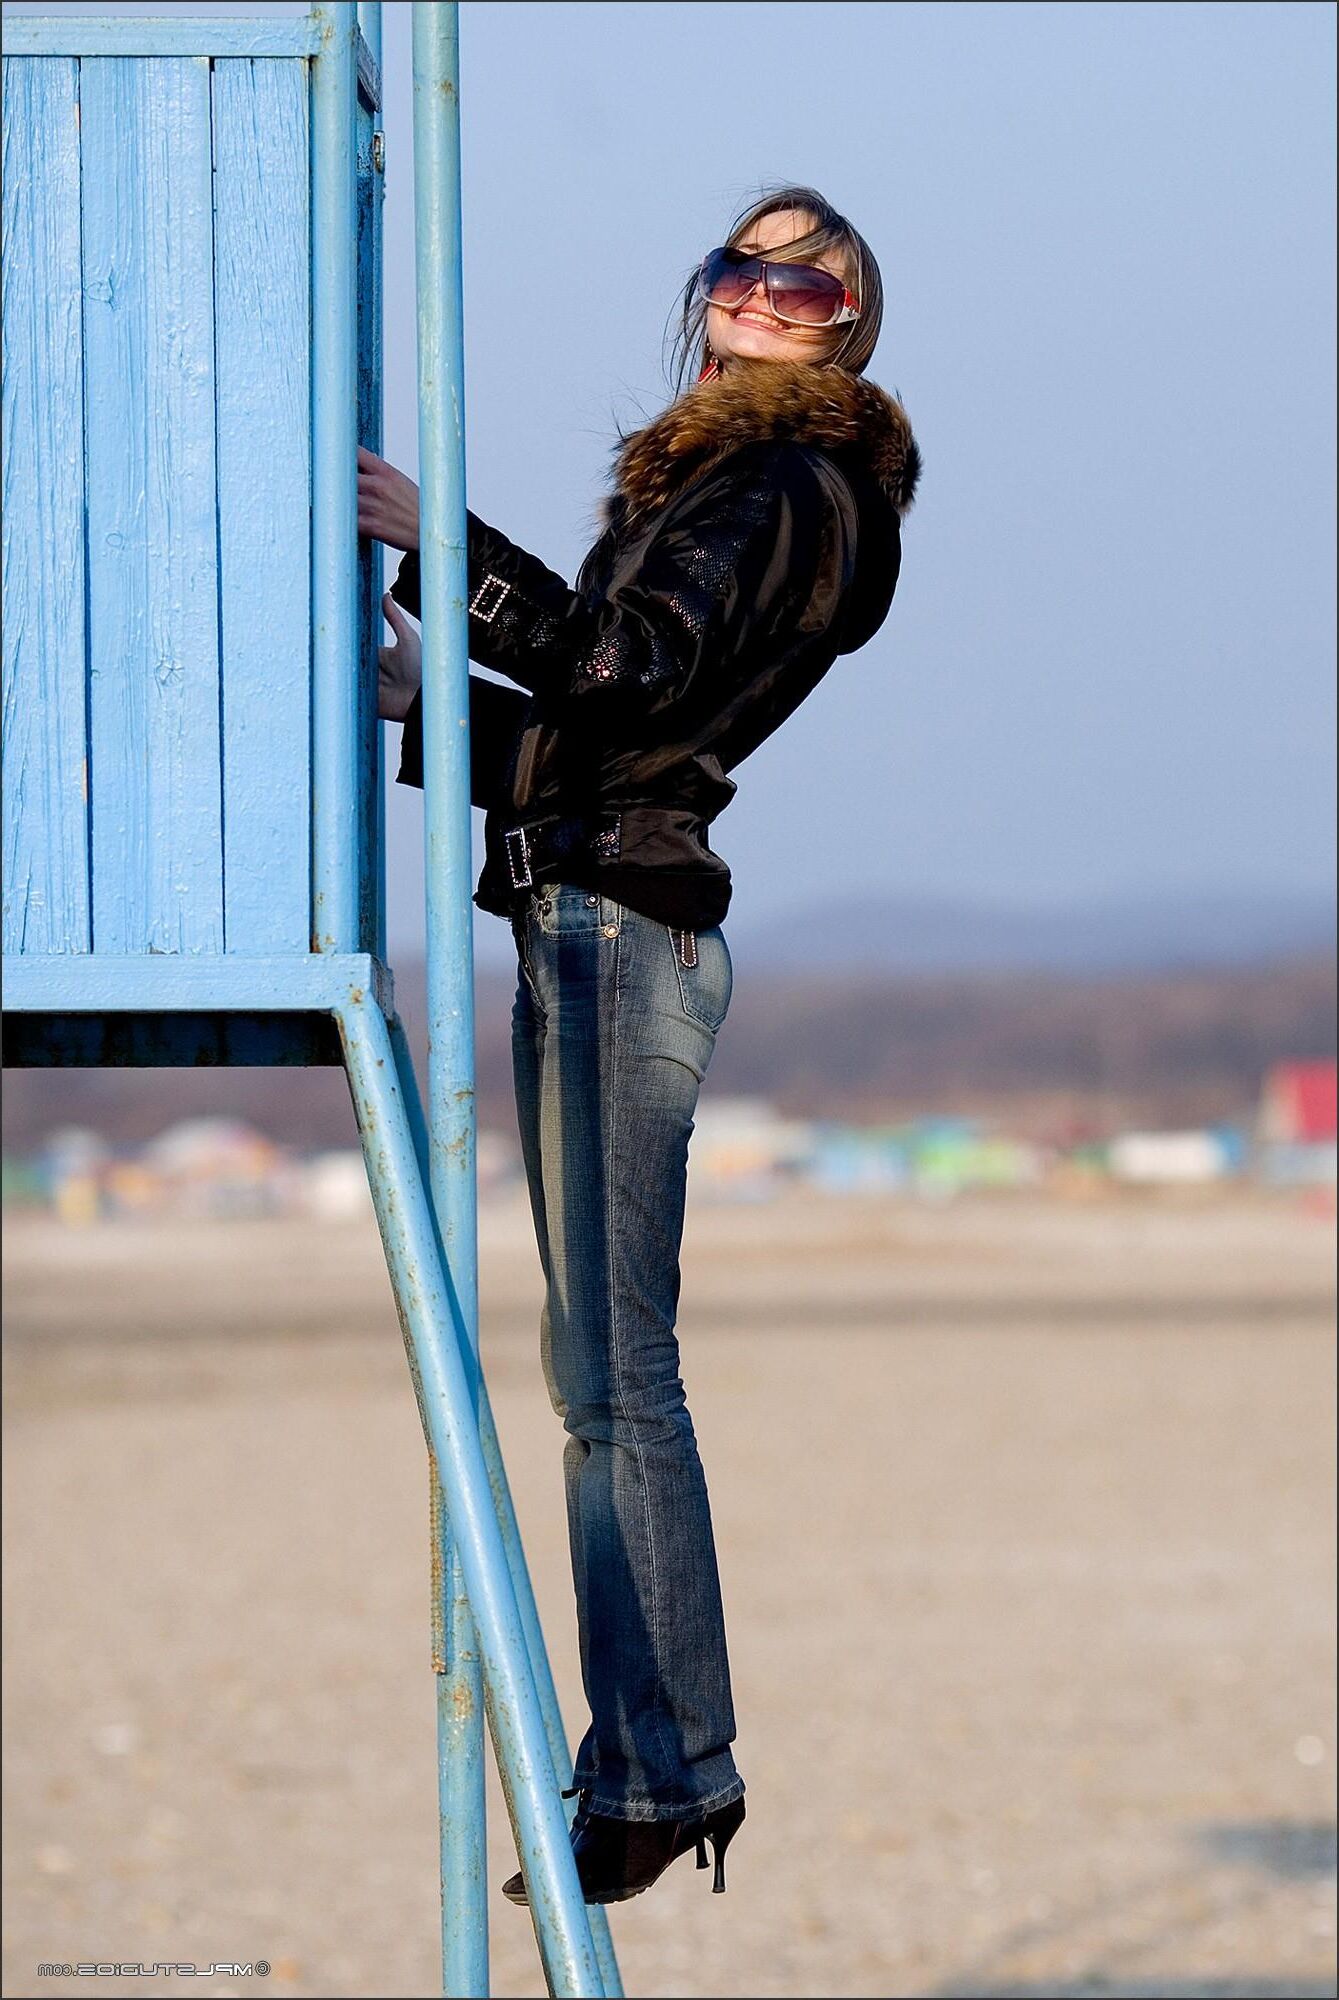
pixel 492 622
pixel 748 549
pixel 496 717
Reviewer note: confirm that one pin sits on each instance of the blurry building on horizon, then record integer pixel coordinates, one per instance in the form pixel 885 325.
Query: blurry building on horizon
pixel 742 1148
pixel 1295 1130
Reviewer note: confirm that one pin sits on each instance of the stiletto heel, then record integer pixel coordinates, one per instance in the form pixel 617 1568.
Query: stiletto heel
pixel 731 1818
pixel 618 1858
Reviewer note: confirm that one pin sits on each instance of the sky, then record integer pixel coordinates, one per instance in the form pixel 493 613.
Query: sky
pixel 1107 240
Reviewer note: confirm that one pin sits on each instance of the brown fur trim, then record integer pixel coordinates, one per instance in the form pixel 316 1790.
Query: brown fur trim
pixel 766 400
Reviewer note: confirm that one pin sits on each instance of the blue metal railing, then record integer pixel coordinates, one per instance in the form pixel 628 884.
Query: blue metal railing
pixel 487 1647
pixel 527 1726
pixel 450 934
pixel 335 829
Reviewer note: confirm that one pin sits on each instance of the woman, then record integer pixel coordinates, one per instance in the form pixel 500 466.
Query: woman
pixel 751 536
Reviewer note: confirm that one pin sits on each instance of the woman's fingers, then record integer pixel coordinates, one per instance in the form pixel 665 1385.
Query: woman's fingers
pixel 387 502
pixel 401 664
pixel 373 513
pixel 399 676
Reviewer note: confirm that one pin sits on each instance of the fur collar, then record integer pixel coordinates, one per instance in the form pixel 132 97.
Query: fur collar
pixel 757 400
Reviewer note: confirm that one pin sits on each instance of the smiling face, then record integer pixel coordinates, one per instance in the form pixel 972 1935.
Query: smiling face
pixel 751 330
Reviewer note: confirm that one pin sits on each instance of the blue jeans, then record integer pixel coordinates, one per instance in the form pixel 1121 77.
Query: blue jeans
pixel 612 1033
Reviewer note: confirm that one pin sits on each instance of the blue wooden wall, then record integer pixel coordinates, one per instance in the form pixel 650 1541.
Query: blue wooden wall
pixel 157 497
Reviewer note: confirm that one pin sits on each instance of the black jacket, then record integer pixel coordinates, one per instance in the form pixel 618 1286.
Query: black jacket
pixel 753 534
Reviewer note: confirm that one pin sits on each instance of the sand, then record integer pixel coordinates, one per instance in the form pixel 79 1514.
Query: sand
pixel 1026 1531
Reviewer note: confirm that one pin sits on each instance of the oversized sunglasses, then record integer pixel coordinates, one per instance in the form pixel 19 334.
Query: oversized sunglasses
pixel 800 294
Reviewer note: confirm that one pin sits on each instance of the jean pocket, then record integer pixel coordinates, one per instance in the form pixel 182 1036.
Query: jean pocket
pixel 706 984
pixel 562 910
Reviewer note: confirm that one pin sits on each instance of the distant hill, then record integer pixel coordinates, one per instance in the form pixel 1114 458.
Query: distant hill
pixel 1046 1052
pixel 1131 933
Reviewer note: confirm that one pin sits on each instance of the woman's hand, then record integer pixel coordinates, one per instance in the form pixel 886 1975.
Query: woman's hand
pixel 400 667
pixel 387 502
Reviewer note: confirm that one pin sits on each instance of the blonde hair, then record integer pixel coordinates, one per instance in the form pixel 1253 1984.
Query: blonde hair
pixel 854 343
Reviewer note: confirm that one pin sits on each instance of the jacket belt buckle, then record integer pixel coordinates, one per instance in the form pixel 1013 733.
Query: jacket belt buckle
pixel 521 850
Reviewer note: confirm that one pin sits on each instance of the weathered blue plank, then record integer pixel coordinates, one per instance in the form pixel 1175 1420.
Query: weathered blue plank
pixel 46 890
pixel 262 310
pixel 106 982
pixel 153 588
pixel 96 35
pixel 369 67
pixel 101 35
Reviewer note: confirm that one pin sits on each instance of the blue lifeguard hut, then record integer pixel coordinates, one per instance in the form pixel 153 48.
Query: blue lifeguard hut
pixel 193 782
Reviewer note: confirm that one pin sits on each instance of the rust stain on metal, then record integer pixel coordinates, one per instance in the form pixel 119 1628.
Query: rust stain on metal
pixel 437 1535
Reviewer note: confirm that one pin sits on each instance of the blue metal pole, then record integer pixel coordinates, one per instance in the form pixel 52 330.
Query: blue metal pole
pixel 505 1509
pixel 559 1750
pixel 369 25
pixel 450 946
pixel 438 1348
pixel 336 692
pixel 557 1906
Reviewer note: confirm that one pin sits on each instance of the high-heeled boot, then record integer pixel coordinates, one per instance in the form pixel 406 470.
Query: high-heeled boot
pixel 619 1858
